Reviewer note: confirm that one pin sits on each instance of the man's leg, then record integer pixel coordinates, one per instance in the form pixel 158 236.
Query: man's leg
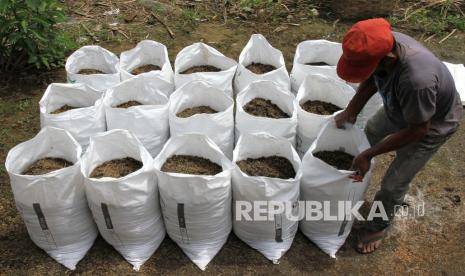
pixel 378 127
pixel 395 184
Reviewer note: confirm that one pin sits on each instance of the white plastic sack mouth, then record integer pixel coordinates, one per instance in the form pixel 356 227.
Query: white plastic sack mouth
pixel 312 51
pixel 458 73
pixel 271 238
pixel 196 208
pixel 321 88
pixel 53 205
pixel 283 127
pixel 199 54
pixel 93 57
pixel 146 52
pixel 81 122
pixel 152 127
pixel 126 209
pixel 322 182
pixel 218 126
pixel 259 50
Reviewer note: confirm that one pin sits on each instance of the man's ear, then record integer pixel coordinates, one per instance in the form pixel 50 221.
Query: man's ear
pixel 391 55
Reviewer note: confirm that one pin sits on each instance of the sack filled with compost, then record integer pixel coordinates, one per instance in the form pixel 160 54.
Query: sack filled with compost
pixel 266 169
pixel 49 192
pixel 202 62
pixel 326 180
pixel 147 56
pixel 140 105
pixel 76 108
pixel 315 57
pixel 94 66
pixel 319 97
pixel 198 107
pixel 123 194
pixel 261 61
pixel 266 107
pixel 194 177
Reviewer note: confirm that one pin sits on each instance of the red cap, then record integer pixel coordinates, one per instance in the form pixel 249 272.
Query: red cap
pixel 363 47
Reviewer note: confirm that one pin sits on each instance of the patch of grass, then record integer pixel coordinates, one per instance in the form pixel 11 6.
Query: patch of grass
pixel 435 18
pixel 24 104
pixel 193 15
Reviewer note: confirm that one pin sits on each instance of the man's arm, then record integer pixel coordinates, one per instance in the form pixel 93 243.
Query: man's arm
pixel 361 163
pixel 364 92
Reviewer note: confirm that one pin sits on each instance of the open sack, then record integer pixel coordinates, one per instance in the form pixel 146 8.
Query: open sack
pixel 273 237
pixel 85 120
pixel 199 54
pixel 324 183
pixel 458 73
pixel 321 88
pixel 196 208
pixel 218 126
pixel 268 90
pixel 152 127
pixel 53 205
pixel 259 50
pixel 315 57
pixel 97 58
pixel 146 52
pixel 126 209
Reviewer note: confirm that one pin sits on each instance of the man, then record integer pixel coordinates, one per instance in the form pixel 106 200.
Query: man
pixel 422 109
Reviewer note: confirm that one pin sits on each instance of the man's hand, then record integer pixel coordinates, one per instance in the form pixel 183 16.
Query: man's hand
pixel 343 118
pixel 361 164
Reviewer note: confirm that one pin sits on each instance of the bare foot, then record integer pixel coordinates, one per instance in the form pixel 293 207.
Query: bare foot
pixel 368 242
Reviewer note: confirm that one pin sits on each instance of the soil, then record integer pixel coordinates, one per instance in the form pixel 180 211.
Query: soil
pixel 129 104
pixel 259 68
pixel 201 68
pixel 272 166
pixel 338 159
pixel 46 165
pixel 320 63
pixel 145 69
pixel 319 107
pixel 63 109
pixel 264 108
pixel 116 168
pixel 188 164
pixel 90 72
pixel 188 112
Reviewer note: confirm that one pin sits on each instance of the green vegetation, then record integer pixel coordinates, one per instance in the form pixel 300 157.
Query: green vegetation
pixel 434 18
pixel 29 37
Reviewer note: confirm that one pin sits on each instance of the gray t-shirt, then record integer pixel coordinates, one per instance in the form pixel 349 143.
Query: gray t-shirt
pixel 420 89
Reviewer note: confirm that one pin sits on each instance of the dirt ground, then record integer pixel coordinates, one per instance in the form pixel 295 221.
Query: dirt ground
pixel 431 244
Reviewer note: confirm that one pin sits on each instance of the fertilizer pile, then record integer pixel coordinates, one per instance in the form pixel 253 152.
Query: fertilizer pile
pixel 145 69
pixel 201 68
pixel 338 159
pixel 188 164
pixel 319 107
pixel 264 108
pixel 188 112
pixel 272 166
pixel 46 165
pixel 116 168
